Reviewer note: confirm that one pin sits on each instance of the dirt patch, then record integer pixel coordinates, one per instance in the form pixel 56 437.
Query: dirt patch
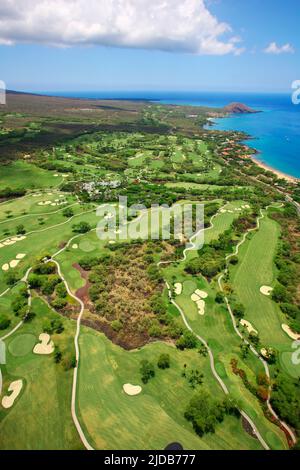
pixel 83 292
pixel 248 428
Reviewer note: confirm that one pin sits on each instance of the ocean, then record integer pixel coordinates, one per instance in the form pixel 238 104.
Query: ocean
pixel 275 131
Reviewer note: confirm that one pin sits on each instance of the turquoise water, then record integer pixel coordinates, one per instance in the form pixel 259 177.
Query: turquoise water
pixel 275 131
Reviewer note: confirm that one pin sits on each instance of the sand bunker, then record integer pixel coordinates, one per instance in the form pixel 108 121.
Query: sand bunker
pixel 15 388
pixel 249 327
pixel 198 297
pixel 264 353
pixel 75 246
pixel 44 203
pixel 178 288
pixel 20 255
pixel 201 306
pixel 290 333
pixel 14 263
pixel 46 346
pixel 266 290
pixel 201 293
pixel 9 242
pixel 5 267
pixel 132 390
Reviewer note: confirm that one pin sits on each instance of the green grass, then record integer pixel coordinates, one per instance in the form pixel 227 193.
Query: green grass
pixel 41 416
pixel 255 269
pixel 216 328
pixel 24 175
pixel 22 344
pixel 154 418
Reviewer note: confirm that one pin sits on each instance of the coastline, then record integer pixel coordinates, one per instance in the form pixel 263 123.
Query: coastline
pixel 278 173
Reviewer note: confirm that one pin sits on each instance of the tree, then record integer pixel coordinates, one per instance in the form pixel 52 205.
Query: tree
pixel 239 311
pixel 68 212
pixel 187 341
pixel 20 230
pixel 4 322
pixel 147 371
pixel 82 227
pixel 280 294
pixel 219 298
pixel 205 413
pixel 163 361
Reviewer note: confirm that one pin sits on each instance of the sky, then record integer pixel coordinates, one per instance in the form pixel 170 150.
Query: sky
pixel 174 45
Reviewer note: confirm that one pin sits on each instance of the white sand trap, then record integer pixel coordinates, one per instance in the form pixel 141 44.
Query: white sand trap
pixel 5 267
pixel 56 175
pixel 61 196
pixel 46 346
pixel 202 294
pixel 50 194
pixel 14 263
pixel 9 242
pixel 178 288
pixel 195 297
pixel 264 353
pixel 1 245
pixel 132 390
pixel 249 326
pixel 75 246
pixel 22 237
pixel 53 204
pixel 198 297
pixel 266 290
pixel 290 333
pixel 111 242
pixel 20 255
pixel 15 388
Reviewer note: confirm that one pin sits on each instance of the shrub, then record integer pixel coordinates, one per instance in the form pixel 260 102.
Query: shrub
pixel 68 212
pixel 219 298
pixel 116 325
pixel 4 322
pixel 187 341
pixel 82 227
pixel 163 361
pixel 147 371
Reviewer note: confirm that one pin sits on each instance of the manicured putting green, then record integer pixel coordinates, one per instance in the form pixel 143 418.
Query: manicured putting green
pixel 22 345
pixel 290 363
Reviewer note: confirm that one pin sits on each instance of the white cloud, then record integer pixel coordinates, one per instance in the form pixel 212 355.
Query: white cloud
pixel 169 25
pixel 273 48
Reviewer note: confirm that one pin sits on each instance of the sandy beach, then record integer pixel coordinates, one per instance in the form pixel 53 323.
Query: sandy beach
pixel 280 174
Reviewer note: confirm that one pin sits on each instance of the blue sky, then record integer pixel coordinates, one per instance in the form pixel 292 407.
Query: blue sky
pixel 64 50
